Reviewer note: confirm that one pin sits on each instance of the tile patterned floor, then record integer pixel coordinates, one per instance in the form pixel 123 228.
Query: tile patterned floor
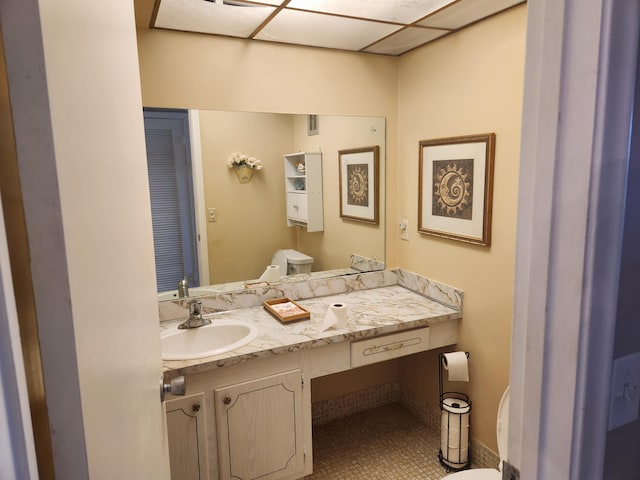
pixel 384 443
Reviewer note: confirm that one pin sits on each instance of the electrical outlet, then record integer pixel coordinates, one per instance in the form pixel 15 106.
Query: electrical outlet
pixel 212 214
pixel 404 229
pixel 624 404
pixel 509 472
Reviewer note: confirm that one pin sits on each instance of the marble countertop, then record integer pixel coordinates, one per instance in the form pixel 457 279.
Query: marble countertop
pixel 371 312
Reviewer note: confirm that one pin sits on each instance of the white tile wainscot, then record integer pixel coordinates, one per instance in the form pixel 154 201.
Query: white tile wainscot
pixel 275 369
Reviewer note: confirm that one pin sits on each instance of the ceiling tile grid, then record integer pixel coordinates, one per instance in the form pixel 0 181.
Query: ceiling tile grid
pixel 213 18
pixel 385 27
pixel 313 29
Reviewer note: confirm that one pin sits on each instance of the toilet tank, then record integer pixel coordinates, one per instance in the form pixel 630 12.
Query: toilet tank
pixel 297 262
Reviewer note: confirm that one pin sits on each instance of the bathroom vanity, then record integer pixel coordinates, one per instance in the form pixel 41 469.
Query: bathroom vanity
pixel 247 413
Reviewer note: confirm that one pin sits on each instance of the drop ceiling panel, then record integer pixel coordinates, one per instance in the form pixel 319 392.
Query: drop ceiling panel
pixel 405 40
pixel 399 11
pixel 208 17
pixel 465 12
pixel 387 27
pixel 319 30
pixel 266 2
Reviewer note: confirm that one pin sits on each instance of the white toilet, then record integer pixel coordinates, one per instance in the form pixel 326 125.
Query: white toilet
pixel 502 430
pixel 292 261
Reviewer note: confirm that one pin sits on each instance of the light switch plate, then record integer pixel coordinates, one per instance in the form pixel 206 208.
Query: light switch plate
pixel 404 229
pixel 212 214
pixel 624 406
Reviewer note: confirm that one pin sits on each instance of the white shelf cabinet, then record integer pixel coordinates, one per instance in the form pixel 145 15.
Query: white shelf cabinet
pixel 304 190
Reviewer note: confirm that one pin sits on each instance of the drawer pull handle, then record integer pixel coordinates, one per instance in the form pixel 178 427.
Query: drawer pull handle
pixel 375 349
pixel 393 347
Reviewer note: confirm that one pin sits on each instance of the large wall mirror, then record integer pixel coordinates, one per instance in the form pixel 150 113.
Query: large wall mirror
pixel 241 225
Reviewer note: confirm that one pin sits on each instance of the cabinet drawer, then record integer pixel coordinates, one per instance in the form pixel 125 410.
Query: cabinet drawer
pixel 394 345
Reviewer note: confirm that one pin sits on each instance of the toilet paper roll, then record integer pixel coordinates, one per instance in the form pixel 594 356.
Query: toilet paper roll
pixel 335 317
pixel 339 311
pixel 456 405
pixel 271 274
pixel 454 432
pixel 457 364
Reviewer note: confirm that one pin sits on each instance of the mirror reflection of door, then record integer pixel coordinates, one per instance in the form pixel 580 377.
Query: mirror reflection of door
pixel 171 189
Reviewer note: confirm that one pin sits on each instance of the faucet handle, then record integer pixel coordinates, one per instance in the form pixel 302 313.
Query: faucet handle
pixel 195 306
pixel 195 316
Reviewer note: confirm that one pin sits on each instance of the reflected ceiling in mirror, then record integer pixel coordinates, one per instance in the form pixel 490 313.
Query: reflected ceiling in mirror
pixel 241 225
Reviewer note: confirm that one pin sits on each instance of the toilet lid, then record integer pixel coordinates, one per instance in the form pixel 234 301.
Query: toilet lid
pixel 295 257
pixel 502 426
pixel 476 474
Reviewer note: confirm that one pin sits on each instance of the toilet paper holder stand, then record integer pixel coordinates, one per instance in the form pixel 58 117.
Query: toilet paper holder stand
pixel 448 458
pixel 441 377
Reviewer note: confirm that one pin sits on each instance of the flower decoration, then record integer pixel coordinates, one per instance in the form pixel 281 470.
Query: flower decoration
pixel 238 159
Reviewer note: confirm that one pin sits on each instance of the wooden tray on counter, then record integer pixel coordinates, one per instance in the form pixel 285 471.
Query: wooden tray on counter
pixel 286 310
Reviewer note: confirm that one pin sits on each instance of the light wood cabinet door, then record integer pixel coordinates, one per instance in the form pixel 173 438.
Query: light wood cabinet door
pixel 259 428
pixel 187 433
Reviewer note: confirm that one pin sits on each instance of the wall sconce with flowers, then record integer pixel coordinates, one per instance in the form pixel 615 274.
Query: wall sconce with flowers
pixel 244 165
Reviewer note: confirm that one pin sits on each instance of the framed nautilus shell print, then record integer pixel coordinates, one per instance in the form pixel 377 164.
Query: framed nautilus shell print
pixel 455 187
pixel 359 178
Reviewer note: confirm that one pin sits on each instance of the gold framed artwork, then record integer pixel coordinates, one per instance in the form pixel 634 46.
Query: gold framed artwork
pixel 455 187
pixel 359 178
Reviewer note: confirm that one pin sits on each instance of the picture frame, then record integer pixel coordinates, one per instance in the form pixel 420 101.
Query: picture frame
pixel 455 188
pixel 359 184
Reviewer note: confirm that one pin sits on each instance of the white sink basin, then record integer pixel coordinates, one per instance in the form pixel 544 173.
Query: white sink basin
pixel 218 337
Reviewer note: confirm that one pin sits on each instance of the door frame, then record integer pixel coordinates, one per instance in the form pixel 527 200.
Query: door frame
pixel 17 447
pixel 578 94
pixel 197 174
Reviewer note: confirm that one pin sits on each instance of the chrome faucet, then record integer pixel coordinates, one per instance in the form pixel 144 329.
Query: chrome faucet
pixel 183 288
pixel 195 316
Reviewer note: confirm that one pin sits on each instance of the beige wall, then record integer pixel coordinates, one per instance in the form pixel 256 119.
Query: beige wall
pixel 464 84
pixel 251 222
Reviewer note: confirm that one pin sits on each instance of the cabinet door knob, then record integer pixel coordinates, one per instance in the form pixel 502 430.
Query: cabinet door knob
pixel 227 400
pixel 177 386
pixel 195 408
